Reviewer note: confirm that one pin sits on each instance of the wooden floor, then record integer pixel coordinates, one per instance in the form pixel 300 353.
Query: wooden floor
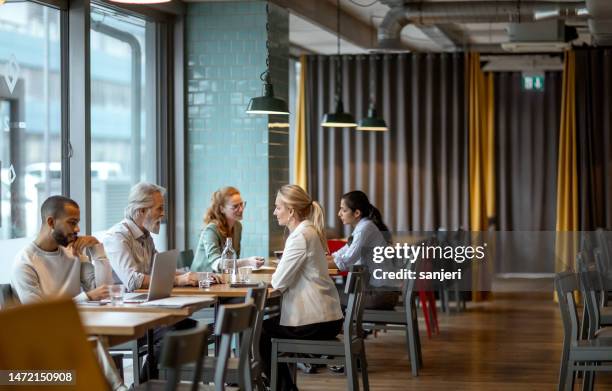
pixel 510 343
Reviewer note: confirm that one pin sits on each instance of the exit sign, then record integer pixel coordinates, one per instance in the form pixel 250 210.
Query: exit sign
pixel 533 81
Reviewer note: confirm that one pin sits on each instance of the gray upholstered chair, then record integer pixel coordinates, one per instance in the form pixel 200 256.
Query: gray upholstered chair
pixel 345 350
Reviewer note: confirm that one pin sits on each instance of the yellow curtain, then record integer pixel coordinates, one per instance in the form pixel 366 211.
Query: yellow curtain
pixel 567 172
pixel 481 115
pixel 299 164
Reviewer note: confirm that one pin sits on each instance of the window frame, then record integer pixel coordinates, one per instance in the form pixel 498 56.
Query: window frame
pixel 75 20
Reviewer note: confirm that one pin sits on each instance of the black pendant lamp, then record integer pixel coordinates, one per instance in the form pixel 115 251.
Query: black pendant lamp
pixel 267 103
pixel 339 118
pixel 372 122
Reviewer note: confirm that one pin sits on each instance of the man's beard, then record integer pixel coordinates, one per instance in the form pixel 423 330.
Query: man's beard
pixel 152 225
pixel 60 238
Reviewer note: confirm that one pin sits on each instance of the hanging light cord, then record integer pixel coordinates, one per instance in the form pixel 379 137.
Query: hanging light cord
pixel 372 80
pixel 338 65
pixel 265 75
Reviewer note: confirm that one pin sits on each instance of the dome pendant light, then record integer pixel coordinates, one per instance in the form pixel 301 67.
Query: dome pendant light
pixel 267 103
pixel 137 2
pixel 338 119
pixel 372 122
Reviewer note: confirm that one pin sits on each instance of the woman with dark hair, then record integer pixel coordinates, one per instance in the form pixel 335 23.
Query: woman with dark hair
pixel 369 231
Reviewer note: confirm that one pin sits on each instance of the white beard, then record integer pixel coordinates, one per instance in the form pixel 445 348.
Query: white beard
pixel 152 226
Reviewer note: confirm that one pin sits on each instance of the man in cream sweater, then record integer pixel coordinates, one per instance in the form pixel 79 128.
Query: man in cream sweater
pixel 56 263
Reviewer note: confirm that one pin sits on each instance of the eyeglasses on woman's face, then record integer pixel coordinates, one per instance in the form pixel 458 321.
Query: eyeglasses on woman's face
pixel 238 206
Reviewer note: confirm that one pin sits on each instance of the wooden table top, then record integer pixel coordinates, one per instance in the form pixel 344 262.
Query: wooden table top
pixel 270 265
pixel 125 324
pixel 219 290
pixel 205 302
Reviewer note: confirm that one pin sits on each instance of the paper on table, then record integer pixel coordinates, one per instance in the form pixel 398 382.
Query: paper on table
pixel 175 301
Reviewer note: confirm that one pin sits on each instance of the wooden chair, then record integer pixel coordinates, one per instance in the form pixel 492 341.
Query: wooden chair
pixel 232 321
pixel 179 349
pixel 8 297
pixel 49 336
pixel 253 368
pixel 404 319
pixel 344 350
pixel 578 354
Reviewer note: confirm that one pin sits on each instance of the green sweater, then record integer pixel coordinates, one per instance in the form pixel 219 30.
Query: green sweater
pixel 210 246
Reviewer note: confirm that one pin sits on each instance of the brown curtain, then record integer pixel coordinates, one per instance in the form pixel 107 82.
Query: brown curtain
pixel 566 244
pixel 526 151
pixel 415 173
pixel 594 137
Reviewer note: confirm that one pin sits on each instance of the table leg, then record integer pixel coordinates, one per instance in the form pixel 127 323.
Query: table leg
pixel 151 359
pixel 217 337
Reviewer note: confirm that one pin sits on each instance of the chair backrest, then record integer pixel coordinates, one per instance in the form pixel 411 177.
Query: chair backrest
pixel 354 288
pixel 184 347
pixel 258 298
pixel 234 320
pixel 590 283
pixel 604 242
pixel 8 298
pixel 335 244
pixel 566 283
pixel 185 259
pixel 602 268
pixel 49 336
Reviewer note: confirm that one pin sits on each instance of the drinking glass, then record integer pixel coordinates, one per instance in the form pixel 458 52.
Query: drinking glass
pixel 245 273
pixel 116 294
pixel 204 280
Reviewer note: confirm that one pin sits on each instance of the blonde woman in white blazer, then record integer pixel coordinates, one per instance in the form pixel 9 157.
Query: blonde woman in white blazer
pixel 310 306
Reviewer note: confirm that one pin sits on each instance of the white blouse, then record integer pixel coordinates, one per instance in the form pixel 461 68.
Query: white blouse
pixel 366 236
pixel 309 294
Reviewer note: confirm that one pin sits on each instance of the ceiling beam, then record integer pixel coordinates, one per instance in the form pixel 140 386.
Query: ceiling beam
pixel 323 14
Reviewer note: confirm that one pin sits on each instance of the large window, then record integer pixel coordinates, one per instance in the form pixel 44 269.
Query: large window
pixel 123 123
pixel 30 115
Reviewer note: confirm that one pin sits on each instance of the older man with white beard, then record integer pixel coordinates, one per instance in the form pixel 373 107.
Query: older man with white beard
pixel 131 250
pixel 129 244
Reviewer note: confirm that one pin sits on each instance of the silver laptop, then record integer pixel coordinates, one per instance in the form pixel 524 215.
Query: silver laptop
pixel 162 278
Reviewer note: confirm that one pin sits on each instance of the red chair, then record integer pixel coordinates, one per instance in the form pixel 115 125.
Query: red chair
pixel 428 304
pixel 335 244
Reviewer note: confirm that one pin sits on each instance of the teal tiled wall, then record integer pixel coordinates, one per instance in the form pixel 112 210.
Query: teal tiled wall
pixel 226 53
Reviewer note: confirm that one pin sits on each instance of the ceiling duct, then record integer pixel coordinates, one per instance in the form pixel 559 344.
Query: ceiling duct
pixel 402 13
pixel 600 23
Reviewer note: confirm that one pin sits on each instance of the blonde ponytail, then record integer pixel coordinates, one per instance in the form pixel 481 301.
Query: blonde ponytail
pixel 317 216
pixel 297 199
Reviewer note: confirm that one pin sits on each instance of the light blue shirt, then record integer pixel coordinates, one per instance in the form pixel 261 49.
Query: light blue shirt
pixel 366 236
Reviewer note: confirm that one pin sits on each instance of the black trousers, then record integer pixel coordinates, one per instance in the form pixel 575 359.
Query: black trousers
pixel 272 329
